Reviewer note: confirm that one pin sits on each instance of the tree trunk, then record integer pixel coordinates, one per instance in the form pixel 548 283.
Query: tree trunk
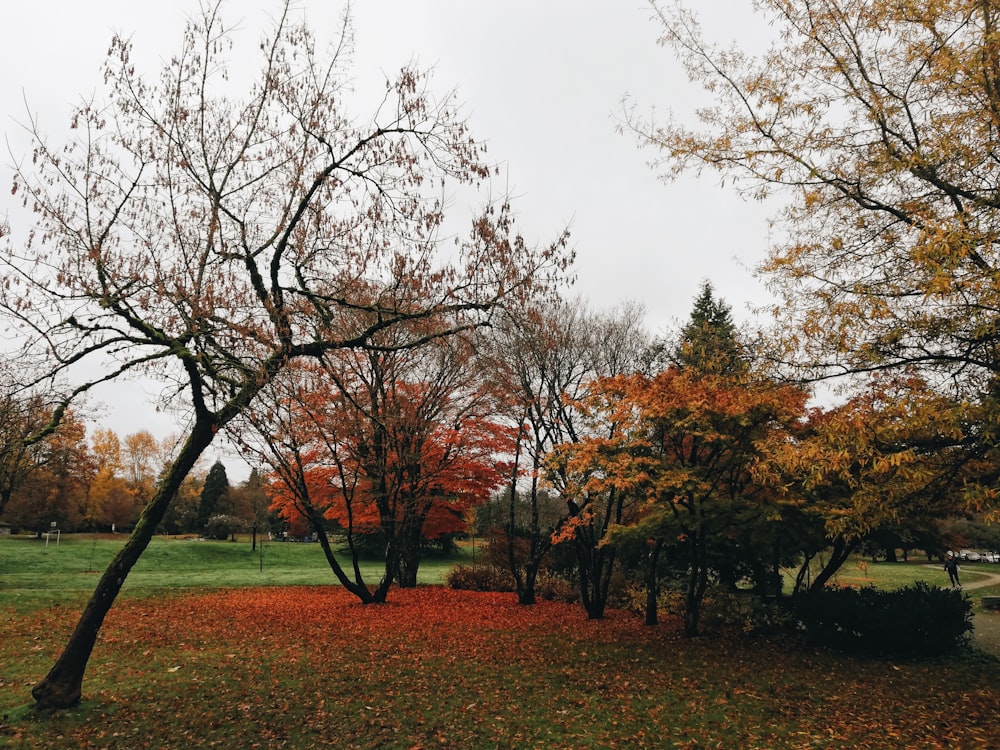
pixel 839 555
pixel 697 584
pixel 356 587
pixel 411 534
pixel 389 572
pixel 597 581
pixel 802 580
pixel 525 594
pixel 653 583
pixel 526 590
pixel 409 563
pixel 62 686
pixel 539 543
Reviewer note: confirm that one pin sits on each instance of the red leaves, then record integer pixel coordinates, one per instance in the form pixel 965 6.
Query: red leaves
pixel 437 622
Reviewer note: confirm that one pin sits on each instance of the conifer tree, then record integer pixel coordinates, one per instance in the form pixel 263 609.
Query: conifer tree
pixel 214 495
pixel 709 341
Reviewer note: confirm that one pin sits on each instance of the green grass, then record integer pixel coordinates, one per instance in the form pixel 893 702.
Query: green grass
pixel 33 573
pixel 861 571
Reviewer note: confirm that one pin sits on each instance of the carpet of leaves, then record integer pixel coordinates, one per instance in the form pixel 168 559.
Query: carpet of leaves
pixel 436 668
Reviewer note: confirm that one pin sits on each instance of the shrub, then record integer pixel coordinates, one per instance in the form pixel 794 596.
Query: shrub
pixel 743 610
pixel 918 620
pixel 553 588
pixel 223 527
pixel 669 601
pixel 480 578
pixel 750 612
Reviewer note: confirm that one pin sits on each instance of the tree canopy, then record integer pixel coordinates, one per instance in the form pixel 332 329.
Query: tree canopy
pixel 878 122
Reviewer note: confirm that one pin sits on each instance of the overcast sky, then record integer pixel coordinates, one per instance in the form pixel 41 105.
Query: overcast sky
pixel 542 82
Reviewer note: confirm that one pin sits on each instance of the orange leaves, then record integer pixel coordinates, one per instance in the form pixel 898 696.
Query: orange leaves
pixel 444 621
pixel 665 432
pixel 875 457
pixel 566 531
pixel 309 667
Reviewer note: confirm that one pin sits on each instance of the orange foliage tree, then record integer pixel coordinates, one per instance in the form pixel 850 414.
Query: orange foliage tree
pixel 436 465
pixel 876 123
pixel 55 480
pixel 896 451
pixel 23 453
pixel 681 445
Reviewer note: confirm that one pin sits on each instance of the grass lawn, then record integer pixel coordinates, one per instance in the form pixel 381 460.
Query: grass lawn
pixel 863 572
pixel 32 572
pixel 179 665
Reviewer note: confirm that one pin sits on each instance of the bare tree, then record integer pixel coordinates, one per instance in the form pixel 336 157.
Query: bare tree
pixel 207 241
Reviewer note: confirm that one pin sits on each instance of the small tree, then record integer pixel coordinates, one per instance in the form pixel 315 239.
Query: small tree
pixel 223 526
pixel 250 502
pixel 57 487
pixel 680 447
pixel 606 345
pixel 24 450
pixel 896 451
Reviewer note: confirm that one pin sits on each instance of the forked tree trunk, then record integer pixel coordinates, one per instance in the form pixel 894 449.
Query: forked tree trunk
pixel 357 587
pixel 697 583
pixel 596 566
pixel 62 686
pixel 526 588
pixel 839 554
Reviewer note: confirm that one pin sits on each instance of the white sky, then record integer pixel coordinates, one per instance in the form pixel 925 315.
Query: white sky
pixel 542 82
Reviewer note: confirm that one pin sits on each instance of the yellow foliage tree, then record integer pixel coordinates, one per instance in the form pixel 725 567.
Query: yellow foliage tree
pixel 896 451
pixel 880 124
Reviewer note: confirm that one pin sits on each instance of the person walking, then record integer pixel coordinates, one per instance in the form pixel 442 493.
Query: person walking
pixel 951 565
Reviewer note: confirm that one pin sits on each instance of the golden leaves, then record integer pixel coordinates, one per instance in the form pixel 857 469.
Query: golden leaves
pixel 883 116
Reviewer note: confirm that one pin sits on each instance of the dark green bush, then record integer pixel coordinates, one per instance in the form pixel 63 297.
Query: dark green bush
pixel 223 527
pixel 918 620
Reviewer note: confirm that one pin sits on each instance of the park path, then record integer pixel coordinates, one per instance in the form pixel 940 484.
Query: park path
pixel 986 625
pixel 983 579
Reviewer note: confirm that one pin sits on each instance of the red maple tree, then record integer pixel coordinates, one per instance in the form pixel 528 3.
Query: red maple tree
pixel 383 455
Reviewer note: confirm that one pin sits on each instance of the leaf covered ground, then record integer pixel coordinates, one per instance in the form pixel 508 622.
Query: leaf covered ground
pixel 308 667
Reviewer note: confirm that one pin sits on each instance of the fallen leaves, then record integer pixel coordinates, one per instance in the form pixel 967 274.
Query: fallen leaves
pixel 438 668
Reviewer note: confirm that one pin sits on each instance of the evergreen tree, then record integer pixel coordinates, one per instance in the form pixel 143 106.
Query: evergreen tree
pixel 709 341
pixel 214 495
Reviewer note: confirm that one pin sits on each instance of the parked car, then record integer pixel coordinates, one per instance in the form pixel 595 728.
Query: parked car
pixel 991 557
pixel 969 555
